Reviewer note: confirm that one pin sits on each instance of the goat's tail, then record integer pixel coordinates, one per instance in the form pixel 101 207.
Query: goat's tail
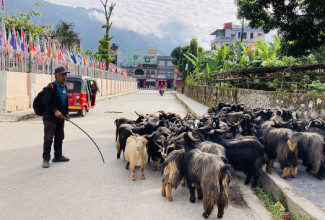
pixel 117 124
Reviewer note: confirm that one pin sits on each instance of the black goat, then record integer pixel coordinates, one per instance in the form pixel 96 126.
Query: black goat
pixel 209 174
pixel 244 155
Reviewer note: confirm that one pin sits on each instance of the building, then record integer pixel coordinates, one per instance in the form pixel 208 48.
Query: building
pixel 150 69
pixel 231 33
pixel 165 70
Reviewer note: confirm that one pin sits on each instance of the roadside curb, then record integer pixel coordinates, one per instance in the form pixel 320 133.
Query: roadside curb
pixel 283 192
pixel 186 106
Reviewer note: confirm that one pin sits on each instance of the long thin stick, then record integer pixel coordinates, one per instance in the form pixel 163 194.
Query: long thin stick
pixel 88 136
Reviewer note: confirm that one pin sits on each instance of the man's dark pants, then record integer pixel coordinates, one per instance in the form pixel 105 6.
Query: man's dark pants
pixel 53 128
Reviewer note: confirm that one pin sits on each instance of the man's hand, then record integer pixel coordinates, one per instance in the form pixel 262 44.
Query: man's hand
pixel 58 114
pixel 67 116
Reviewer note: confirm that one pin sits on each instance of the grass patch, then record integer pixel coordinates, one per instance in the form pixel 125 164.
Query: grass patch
pixel 276 208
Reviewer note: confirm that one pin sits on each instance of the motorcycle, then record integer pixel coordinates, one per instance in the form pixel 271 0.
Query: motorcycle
pixel 161 92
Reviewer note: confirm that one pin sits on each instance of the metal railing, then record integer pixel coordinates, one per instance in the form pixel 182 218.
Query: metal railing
pixel 47 65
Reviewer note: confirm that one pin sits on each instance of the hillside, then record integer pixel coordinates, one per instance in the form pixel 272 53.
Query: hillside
pixel 90 29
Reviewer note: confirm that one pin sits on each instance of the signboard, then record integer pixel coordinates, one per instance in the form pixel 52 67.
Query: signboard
pixel 140 56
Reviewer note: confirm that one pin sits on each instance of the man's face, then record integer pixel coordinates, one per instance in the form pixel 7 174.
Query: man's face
pixel 61 78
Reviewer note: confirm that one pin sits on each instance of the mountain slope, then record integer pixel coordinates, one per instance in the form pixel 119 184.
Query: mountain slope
pixel 89 29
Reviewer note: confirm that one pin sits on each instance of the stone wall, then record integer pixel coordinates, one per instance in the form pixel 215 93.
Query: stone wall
pixel 305 106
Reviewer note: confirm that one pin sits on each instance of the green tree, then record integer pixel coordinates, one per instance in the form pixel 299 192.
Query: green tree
pixel 180 56
pixel 194 51
pixel 301 23
pixel 65 34
pixel 24 21
pixel 179 60
pixel 104 48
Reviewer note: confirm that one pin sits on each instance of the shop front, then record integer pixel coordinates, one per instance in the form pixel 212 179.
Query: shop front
pixel 150 83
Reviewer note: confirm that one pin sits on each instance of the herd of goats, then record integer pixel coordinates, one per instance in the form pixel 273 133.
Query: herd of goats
pixel 202 152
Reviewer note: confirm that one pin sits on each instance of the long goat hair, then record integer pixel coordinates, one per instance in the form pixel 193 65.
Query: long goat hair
pixel 209 174
pixel 173 172
pixel 311 150
pixel 281 143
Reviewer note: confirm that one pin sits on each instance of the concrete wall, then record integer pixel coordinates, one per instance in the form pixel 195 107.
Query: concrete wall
pixel 305 106
pixel 18 90
pixel 17 93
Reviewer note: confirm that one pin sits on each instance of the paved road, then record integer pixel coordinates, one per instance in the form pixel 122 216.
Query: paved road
pixel 85 188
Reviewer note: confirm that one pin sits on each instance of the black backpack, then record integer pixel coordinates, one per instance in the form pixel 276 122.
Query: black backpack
pixel 38 105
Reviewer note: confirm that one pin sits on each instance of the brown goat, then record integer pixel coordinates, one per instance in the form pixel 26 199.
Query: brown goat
pixel 136 154
pixel 173 173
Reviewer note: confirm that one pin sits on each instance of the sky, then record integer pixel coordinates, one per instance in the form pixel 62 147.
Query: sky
pixel 182 19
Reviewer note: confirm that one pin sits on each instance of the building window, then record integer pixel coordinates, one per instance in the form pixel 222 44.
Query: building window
pixel 245 35
pixel 232 35
pixel 259 34
pixel 238 35
pixel 169 63
pixel 162 63
pixel 148 72
pixel 170 72
pixel 161 72
pixel 252 36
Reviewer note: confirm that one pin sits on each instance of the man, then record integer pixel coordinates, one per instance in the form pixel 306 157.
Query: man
pixel 56 107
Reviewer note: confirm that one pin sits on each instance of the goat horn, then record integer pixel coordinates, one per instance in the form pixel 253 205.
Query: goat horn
pixel 220 131
pixel 150 135
pixel 177 138
pixel 191 137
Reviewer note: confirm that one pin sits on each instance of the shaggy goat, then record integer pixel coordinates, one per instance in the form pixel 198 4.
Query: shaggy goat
pixel 281 143
pixel 244 155
pixel 136 154
pixel 173 172
pixel 209 174
pixel 311 149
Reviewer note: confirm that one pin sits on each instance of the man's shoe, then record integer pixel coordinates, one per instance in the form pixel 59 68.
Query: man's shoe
pixel 46 163
pixel 60 159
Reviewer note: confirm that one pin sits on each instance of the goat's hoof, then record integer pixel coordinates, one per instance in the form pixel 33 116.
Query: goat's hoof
pixel 192 200
pixel 205 215
pixel 170 199
pixel 220 216
pixel 200 197
pixel 133 179
pixel 118 156
pixel 163 194
pixel 143 178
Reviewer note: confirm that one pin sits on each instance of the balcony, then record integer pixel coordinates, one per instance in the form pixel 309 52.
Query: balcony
pixel 222 39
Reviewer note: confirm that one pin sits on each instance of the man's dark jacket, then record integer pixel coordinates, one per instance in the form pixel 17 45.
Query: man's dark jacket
pixel 52 102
